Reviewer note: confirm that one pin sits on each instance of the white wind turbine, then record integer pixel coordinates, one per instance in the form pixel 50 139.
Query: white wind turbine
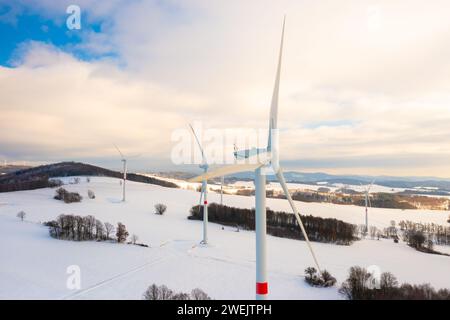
pixel 204 190
pixel 125 168
pixel 264 160
pixel 367 203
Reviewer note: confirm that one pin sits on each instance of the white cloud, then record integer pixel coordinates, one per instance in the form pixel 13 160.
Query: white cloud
pixel 379 66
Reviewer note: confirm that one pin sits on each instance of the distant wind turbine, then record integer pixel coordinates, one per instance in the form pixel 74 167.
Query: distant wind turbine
pixel 367 203
pixel 269 161
pixel 125 168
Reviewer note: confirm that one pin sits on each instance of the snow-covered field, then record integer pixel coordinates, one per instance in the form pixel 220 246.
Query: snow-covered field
pixel 333 187
pixel 33 265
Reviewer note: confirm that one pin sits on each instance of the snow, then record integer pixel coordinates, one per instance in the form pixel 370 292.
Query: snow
pixel 233 187
pixel 333 187
pixel 33 265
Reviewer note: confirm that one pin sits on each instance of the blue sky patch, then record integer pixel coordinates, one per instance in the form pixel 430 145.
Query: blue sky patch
pixel 31 27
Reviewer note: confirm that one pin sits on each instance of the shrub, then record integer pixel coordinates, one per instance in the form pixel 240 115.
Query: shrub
pixel 328 279
pixel 60 194
pixel 21 215
pixel 160 208
pixel 66 196
pixel 91 194
pixel 53 183
pixel 323 280
pixel 134 239
pixel 415 238
pixel 155 292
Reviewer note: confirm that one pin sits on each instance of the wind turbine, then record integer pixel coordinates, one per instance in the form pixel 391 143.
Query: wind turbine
pixel 125 168
pixel 204 190
pixel 367 202
pixel 267 160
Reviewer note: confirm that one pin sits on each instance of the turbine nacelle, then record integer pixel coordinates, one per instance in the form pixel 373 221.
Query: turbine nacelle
pixel 249 153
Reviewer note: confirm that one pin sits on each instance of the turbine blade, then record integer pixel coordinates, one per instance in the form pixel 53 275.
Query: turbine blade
pixel 117 148
pixel 198 142
pixel 134 156
pixel 371 184
pixel 226 170
pixel 284 186
pixel 273 121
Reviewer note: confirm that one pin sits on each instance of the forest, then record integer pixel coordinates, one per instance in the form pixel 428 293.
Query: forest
pixel 281 224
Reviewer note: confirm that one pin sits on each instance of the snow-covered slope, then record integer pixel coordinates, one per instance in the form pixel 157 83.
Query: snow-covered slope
pixel 33 265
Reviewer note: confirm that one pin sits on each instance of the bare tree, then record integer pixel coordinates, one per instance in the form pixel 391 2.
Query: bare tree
pixel 99 230
pixel 121 233
pixel 166 293
pixel 160 208
pixel 152 293
pixel 91 194
pixel 430 245
pixel 21 215
pixel 373 231
pixel 198 294
pixel 109 229
pixel 134 239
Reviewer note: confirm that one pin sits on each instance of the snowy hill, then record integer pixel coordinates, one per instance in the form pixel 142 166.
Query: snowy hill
pixel 33 265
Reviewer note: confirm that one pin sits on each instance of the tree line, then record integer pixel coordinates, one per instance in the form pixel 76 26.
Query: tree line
pixel 17 184
pixel 362 285
pixel 281 224
pixel 438 234
pixel 87 228
pixel 155 292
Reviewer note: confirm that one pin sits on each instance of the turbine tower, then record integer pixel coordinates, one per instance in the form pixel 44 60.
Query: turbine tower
pixel 125 169
pixel 204 190
pixel 124 161
pixel 367 202
pixel 264 161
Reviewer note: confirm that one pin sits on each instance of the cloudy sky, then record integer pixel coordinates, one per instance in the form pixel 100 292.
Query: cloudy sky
pixel 365 84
